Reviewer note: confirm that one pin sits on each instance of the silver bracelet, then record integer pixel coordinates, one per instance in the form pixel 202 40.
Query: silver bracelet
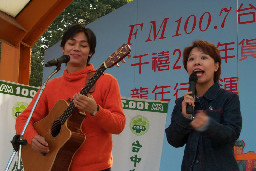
pixel 191 117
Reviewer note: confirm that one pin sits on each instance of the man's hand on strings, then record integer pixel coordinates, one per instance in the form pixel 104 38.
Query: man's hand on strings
pixel 39 144
pixel 85 103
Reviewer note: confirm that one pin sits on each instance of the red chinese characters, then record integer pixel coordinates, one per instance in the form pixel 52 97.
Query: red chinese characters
pixel 242 12
pixel 164 93
pixel 248 48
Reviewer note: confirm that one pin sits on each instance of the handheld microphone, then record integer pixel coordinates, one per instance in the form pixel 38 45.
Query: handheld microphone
pixel 192 87
pixel 57 61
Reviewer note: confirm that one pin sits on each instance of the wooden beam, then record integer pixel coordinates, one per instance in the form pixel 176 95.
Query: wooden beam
pixel 25 64
pixel 11 31
pixel 9 64
pixel 38 22
pixel 21 33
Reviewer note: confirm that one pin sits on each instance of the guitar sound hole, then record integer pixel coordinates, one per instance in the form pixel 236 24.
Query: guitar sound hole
pixel 56 126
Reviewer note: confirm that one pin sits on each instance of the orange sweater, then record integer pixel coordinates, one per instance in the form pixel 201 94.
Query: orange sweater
pixel 96 152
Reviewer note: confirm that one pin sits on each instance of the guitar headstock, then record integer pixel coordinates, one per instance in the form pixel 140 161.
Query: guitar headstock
pixel 118 56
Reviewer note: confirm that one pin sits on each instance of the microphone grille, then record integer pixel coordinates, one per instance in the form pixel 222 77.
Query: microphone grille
pixel 67 58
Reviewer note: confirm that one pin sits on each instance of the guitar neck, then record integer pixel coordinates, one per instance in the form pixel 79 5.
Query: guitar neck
pixel 93 80
pixel 84 91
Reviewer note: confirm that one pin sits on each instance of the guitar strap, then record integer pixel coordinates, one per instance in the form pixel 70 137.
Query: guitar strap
pixel 89 76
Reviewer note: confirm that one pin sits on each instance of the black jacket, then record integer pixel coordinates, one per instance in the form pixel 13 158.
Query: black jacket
pixel 211 149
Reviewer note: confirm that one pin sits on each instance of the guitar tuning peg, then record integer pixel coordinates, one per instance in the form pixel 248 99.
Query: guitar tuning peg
pixel 129 55
pixel 123 61
pixel 117 64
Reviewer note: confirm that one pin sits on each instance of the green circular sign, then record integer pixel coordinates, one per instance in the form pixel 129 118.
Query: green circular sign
pixel 139 125
pixel 18 108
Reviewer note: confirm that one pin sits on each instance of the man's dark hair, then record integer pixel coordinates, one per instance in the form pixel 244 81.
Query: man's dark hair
pixel 73 30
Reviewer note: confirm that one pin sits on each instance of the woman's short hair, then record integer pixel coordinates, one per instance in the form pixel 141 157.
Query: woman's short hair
pixel 209 49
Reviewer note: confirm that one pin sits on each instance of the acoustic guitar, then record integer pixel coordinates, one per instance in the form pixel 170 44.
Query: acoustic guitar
pixel 61 128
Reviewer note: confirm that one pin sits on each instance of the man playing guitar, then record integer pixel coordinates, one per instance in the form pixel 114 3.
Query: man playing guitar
pixel 102 106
